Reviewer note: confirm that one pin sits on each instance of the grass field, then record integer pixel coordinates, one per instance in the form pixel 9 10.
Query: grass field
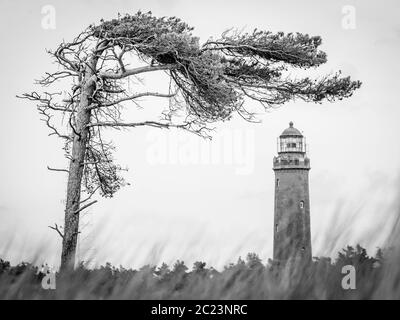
pixel 377 277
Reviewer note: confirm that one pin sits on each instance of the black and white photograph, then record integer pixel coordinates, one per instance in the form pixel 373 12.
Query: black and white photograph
pixel 202 151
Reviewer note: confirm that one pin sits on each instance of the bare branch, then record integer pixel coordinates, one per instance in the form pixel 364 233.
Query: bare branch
pixel 119 58
pixel 53 77
pixel 85 206
pixel 139 124
pixel 42 111
pixel 73 128
pixel 56 228
pixel 90 196
pixel 46 101
pixel 131 72
pixel 139 95
pixel 54 169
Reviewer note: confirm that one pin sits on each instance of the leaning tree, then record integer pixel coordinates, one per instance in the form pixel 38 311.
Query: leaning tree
pixel 207 83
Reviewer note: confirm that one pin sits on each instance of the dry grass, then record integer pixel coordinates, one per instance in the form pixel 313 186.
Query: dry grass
pixel 377 278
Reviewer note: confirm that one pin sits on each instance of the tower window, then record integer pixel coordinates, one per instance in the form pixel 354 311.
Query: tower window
pixel 277 182
pixel 301 204
pixel 276 228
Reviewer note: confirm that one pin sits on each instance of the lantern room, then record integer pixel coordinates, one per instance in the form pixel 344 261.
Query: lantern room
pixel 291 140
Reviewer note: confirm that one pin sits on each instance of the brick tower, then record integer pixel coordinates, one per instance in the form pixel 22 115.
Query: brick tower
pixel 292 235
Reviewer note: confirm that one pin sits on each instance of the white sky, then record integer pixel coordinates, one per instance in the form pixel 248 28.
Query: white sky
pixel 181 206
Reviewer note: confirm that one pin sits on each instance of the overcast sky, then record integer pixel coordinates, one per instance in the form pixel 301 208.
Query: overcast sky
pixel 185 202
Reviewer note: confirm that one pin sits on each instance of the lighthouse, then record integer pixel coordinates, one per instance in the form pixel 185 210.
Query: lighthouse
pixel 292 235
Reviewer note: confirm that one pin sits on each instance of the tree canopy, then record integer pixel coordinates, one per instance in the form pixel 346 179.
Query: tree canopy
pixel 209 82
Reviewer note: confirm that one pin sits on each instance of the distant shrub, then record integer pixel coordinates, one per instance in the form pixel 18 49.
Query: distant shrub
pixel 246 279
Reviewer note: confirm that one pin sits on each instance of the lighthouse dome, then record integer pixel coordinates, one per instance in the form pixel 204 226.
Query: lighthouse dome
pixel 291 131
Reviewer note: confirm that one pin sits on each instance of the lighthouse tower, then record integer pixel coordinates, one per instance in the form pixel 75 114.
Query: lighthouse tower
pixel 292 236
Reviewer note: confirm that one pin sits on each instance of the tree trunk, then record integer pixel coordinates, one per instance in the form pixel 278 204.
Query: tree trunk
pixel 79 147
